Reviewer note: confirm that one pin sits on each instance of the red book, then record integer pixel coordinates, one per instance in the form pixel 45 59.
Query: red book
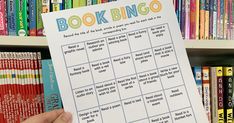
pixel 192 19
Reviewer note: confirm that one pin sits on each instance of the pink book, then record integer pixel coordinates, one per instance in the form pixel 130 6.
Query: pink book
pixel 3 24
pixel 192 19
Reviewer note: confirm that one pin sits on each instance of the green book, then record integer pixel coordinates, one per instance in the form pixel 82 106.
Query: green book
pixel 68 4
pixel 39 19
pixel 22 17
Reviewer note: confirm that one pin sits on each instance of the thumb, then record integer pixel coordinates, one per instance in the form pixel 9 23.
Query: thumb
pixel 65 117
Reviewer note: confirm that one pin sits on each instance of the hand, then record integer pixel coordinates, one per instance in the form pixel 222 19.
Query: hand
pixel 56 116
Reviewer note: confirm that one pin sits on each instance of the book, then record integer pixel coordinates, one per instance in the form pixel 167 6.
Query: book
pixel 95 73
pixel 3 16
pixel 228 91
pixel 11 17
pixel 187 20
pixel 214 26
pixel 214 99
pixel 207 19
pixel 197 19
pixel 197 72
pixel 202 18
pixel 211 17
pixel 22 17
pixel 32 17
pixel 52 97
pixel 206 91
pixel 68 4
pixel 219 72
pixel 56 5
pixel 39 19
pixel 193 19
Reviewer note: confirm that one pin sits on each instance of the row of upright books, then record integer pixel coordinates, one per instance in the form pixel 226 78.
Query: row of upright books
pixel 23 17
pixel 28 86
pixel 206 19
pixel 215 86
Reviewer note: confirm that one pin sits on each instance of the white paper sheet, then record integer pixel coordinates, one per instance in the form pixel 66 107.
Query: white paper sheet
pixel 123 62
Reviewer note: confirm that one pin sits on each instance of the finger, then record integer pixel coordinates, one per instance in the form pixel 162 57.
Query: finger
pixel 47 117
pixel 51 116
pixel 65 117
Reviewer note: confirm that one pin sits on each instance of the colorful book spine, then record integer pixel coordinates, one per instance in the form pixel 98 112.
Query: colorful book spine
pixel 232 20
pixel 211 14
pixel 99 1
pixel 183 18
pixel 225 20
pixel 56 5
pixel 192 19
pixel 214 32
pixel 222 15
pixel 11 17
pixel 45 9
pixel 75 3
pixel 3 21
pixel 229 19
pixel 218 20
pixel 22 17
pixel 51 91
pixel 206 91
pixel 214 99
pixel 104 1
pixel 94 2
pixel 39 19
pixel 219 72
pixel 228 91
pixel 68 4
pixel 202 19
pixel 207 20
pixel 187 20
pixel 197 72
pixel 32 17
pixel 197 30
pixel 82 3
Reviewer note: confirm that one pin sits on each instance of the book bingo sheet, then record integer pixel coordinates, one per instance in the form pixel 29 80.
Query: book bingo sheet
pixel 123 62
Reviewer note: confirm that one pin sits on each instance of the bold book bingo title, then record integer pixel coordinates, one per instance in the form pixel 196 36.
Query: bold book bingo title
pixel 117 14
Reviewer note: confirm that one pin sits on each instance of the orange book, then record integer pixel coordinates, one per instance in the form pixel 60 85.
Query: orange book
pixel 202 19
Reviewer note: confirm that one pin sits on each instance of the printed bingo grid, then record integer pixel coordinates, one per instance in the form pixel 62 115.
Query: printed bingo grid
pixel 132 77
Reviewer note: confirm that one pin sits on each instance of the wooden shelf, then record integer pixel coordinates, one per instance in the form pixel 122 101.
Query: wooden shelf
pixel 209 44
pixel 17 41
pixel 8 41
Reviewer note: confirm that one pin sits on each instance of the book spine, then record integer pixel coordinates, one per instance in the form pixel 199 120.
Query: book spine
pixel 202 19
pixel 218 20
pixel 187 20
pixel 104 1
pixel 22 17
pixel 75 3
pixel 56 5
pixel 51 91
pixel 207 19
pixel 89 2
pixel 225 20
pixel 214 99
pixel 82 3
pixel 45 9
pixel 3 15
pixel 215 20
pixel 192 19
pixel 206 91
pixel 94 2
pixel 232 20
pixel 39 19
pixel 197 28
pixel 229 19
pixel 41 87
pixel 11 20
pixel 211 14
pixel 222 15
pixel 99 1
pixel 197 72
pixel 68 4
pixel 32 17
pixel 183 18
pixel 219 72
pixel 227 83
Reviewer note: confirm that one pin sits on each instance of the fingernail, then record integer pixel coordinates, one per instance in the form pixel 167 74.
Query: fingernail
pixel 66 117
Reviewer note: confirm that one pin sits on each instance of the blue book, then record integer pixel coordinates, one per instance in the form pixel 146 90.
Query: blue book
pixel 11 17
pixel 32 17
pixel 197 72
pixel 52 96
